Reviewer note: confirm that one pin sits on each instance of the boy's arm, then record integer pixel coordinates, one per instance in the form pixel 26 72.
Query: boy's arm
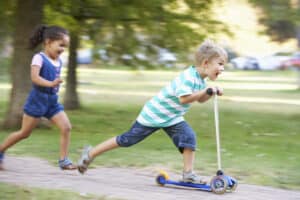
pixel 210 91
pixel 197 96
pixel 200 96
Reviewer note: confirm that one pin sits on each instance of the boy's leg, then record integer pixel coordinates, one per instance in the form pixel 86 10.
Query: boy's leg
pixel 188 159
pixel 184 139
pixel 28 123
pixel 136 134
pixel 89 153
pixel 62 121
pixel 103 147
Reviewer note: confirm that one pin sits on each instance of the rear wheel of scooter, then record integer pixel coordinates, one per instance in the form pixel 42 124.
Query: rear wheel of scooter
pixel 233 187
pixel 218 185
pixel 162 177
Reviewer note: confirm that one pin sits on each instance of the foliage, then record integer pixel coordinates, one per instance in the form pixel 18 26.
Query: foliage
pixel 281 18
pixel 6 20
pixel 132 26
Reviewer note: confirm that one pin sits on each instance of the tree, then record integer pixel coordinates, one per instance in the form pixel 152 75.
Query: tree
pixel 6 20
pixel 282 18
pixel 119 26
pixel 28 14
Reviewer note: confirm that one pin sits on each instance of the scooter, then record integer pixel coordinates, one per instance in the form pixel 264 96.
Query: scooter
pixel 220 183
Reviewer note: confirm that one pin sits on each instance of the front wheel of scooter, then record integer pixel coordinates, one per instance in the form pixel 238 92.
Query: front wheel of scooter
pixel 218 185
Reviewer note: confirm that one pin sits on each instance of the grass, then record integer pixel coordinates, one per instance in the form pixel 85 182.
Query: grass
pixel 260 141
pixel 15 192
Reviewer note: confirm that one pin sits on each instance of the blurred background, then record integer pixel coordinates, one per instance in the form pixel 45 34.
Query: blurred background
pixel 123 51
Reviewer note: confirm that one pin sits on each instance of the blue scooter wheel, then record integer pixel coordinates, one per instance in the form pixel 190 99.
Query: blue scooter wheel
pixel 218 185
pixel 233 186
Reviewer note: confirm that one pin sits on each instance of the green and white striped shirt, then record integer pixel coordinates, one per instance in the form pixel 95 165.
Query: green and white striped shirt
pixel 164 109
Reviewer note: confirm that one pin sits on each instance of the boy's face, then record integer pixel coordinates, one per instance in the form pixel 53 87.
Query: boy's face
pixel 215 67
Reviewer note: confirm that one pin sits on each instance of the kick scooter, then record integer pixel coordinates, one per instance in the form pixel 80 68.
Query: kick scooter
pixel 220 183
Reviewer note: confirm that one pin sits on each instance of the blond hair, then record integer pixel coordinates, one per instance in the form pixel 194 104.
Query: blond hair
pixel 209 50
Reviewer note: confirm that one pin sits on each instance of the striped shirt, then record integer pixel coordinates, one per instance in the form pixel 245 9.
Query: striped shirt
pixel 165 109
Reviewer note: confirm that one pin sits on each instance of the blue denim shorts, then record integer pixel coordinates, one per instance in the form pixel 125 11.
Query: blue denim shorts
pixel 181 134
pixel 41 104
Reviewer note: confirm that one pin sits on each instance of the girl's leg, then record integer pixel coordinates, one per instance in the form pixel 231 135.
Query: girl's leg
pixel 188 159
pixel 62 121
pixel 28 124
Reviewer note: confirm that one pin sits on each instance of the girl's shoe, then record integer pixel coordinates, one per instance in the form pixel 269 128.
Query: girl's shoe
pixel 84 160
pixel 66 164
pixel 1 160
pixel 191 177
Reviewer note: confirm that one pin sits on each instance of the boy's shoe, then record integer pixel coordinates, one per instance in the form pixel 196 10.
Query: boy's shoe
pixel 84 160
pixel 66 164
pixel 191 177
pixel 1 160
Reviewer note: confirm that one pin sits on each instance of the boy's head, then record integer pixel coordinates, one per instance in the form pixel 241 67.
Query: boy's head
pixel 210 58
pixel 207 51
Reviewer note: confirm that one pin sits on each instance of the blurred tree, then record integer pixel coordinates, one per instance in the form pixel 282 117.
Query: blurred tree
pixel 6 20
pixel 131 26
pixel 20 68
pixel 281 17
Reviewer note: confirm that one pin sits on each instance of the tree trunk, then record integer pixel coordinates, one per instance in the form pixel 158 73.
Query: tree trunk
pixel 298 39
pixel 29 13
pixel 71 100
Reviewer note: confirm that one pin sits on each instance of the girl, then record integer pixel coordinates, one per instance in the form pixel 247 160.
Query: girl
pixel 166 111
pixel 43 99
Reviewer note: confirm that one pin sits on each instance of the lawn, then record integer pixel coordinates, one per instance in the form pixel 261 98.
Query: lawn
pixel 259 124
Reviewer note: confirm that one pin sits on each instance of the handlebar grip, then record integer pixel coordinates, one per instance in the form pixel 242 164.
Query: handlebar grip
pixel 209 91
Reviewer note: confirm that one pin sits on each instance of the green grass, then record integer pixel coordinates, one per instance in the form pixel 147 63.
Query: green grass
pixel 16 192
pixel 260 141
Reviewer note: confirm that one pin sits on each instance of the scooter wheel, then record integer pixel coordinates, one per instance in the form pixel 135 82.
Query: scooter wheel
pixel 218 185
pixel 233 187
pixel 162 177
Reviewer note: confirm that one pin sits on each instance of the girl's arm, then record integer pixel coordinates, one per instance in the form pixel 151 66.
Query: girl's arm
pixel 38 80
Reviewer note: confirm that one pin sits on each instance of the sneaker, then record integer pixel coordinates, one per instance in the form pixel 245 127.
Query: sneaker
pixel 191 177
pixel 1 160
pixel 66 164
pixel 84 160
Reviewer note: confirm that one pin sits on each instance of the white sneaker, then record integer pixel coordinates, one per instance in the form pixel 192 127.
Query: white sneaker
pixel 191 177
pixel 84 160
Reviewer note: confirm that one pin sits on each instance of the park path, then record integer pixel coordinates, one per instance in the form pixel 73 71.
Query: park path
pixel 122 183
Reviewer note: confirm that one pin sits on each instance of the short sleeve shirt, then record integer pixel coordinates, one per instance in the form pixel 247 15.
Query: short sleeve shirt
pixel 165 109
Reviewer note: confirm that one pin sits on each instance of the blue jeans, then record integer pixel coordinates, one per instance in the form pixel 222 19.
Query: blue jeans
pixel 181 134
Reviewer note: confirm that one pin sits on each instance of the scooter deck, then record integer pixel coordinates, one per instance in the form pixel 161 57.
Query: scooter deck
pixel 163 181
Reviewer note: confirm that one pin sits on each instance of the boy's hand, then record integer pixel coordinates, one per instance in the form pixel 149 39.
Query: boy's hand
pixel 214 90
pixel 219 91
pixel 56 82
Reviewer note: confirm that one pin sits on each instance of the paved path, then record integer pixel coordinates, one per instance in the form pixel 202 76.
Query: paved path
pixel 122 183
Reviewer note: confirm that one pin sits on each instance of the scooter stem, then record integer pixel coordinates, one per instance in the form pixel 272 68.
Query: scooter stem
pixel 217 131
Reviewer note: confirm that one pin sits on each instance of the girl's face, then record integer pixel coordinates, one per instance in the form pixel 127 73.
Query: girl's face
pixel 53 48
pixel 215 67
